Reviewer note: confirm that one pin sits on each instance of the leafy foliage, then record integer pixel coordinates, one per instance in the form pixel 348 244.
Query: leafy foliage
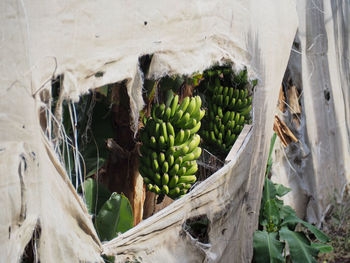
pixel 278 227
pixel 114 217
pixel 112 213
pixel 88 124
pixel 96 195
pixel 267 247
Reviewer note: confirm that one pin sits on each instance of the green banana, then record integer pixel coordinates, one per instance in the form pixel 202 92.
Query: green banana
pixel 150 187
pixel 226 89
pixel 241 94
pixel 237 117
pixel 170 129
pixel 226 101
pixel 165 189
pixel 216 130
pixel 146 180
pixel 184 149
pixel 171 140
pixel 155 165
pixel 222 129
pixel 181 172
pixel 157 130
pixel 237 129
pixel 191 123
pixel 156 189
pixel 227 135
pixel 191 106
pixel 194 142
pixel 230 93
pixel 185 118
pixel 187 135
pixel 212 136
pixel 157 178
pixel 165 179
pixel 165 167
pixel 174 192
pixel 174 105
pixel 221 115
pixel 180 137
pixel 161 157
pixel 173 171
pixel 171 160
pixel 173 181
pixel 153 112
pixel 241 120
pixel 160 111
pixel 196 128
pixel 184 104
pixel 153 142
pixel 183 191
pixel 226 117
pixel 231 139
pixel 170 151
pixel 162 142
pixel 236 94
pixel 221 88
pixel 179 160
pixel 238 103
pixel 220 136
pixel 201 114
pixel 198 105
pixel 246 110
pixel 177 116
pixel 193 169
pixel 221 100
pixel 164 131
pixel 232 103
pixel 187 179
pixel 167 114
pixel 194 155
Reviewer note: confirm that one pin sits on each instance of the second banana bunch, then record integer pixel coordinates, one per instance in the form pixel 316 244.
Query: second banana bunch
pixel 229 106
pixel 170 146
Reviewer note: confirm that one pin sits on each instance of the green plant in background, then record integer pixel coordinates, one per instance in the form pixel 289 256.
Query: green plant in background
pixel 278 224
pixel 170 145
pixel 112 212
pixel 87 125
pixel 229 106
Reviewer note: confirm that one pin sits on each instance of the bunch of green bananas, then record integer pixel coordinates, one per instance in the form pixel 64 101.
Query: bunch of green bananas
pixel 170 146
pixel 229 106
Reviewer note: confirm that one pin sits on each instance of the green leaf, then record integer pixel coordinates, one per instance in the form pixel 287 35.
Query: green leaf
pixel 95 195
pixel 271 212
pixel 269 161
pixel 318 233
pixel 267 249
pixel 114 217
pixel 300 248
pixel 287 211
pixel 93 165
pixel 323 248
pixel 269 192
pixel 281 190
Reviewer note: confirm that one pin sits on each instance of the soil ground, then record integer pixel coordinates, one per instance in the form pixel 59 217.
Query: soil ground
pixel 337 227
